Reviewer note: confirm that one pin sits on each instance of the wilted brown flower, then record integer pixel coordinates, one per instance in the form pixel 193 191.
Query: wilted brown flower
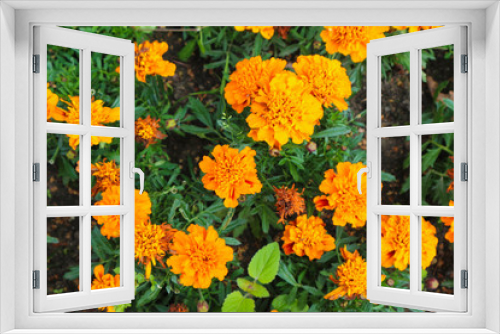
pixel 289 202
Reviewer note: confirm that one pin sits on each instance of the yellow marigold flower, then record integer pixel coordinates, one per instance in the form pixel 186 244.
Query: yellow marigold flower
pixel 327 78
pixel 53 111
pixel 152 243
pixel 106 174
pixel 250 76
pixel 111 224
pixel 107 309
pixel 449 221
pixel 178 308
pixel 289 202
pixel 231 174
pixel 307 236
pixel 149 60
pixel 147 131
pixel 396 242
pixel 282 110
pixel 351 277
pixel 342 194
pixel 351 40
pixel 199 256
pixel 104 281
pixel 416 28
pixel 266 31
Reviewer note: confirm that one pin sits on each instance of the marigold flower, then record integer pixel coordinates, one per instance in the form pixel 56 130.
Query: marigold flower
pixel 199 256
pixel 449 221
pixel 53 111
pixel 266 31
pixel 342 195
pixel 289 202
pixel 451 174
pixel 149 60
pixel 178 308
pixel 351 277
pixel 250 76
pixel 416 28
pixel 327 78
pixel 106 174
pixel 104 281
pixel 231 174
pixel 111 224
pixel 396 242
pixel 284 109
pixel 307 236
pixel 351 40
pixel 147 131
pixel 152 243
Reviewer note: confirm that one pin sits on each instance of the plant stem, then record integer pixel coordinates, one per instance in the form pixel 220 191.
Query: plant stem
pixel 229 217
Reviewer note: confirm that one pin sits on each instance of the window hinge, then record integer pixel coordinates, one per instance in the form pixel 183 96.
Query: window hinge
pixel 36 63
pixel 464 279
pixel 465 64
pixel 36 279
pixel 36 172
pixel 464 171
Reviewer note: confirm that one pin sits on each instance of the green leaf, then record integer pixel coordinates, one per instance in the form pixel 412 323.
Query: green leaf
pixel 220 63
pixel 253 288
pixel 257 45
pixel 200 111
pixel 289 50
pixel 280 303
pixel 187 51
pixel 387 177
pixel 268 217
pixel 232 241
pixel 332 132
pixel 286 275
pixel 52 240
pixel 265 263
pixel 100 245
pixel 429 158
pixel 235 302
pixel 148 296
pixel 195 130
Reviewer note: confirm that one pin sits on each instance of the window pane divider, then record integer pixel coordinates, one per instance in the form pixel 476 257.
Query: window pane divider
pixel 76 129
pixel 422 129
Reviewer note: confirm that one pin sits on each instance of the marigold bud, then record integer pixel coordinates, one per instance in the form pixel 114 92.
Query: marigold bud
pixel 312 146
pixel 274 152
pixel 202 306
pixel 431 283
pixel 390 282
pixel 170 124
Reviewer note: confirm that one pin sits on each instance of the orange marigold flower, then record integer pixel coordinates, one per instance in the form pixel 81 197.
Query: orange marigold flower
pixel 111 224
pixel 107 309
pixel 449 221
pixel 351 40
pixel 104 281
pixel 396 242
pixel 199 256
pixel 149 60
pixel 147 131
pixel 327 78
pixel 250 76
pixel 152 243
pixel 284 109
pixel 451 174
pixel 351 277
pixel 289 202
pixel 231 174
pixel 416 28
pixel 342 194
pixel 307 236
pixel 53 111
pixel 178 308
pixel 266 31
pixel 106 174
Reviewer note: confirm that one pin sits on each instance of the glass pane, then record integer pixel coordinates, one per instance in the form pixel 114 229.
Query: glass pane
pixel 395 159
pixel 105 252
pixel 63 84
pixel 63 179
pixel 437 254
pixel 437 84
pixel 105 171
pixel 437 169
pixel 105 90
pixel 395 89
pixel 395 251
pixel 63 255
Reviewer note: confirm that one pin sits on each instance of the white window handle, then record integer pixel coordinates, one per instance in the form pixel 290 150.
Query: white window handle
pixel 368 171
pixel 133 171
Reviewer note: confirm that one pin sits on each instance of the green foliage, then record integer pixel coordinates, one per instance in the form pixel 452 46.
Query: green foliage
pixel 235 302
pixel 265 263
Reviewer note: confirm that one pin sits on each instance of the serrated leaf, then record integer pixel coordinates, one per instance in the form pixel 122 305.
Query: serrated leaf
pixel 339 130
pixel 265 263
pixel 429 158
pixel 235 302
pixel 187 50
pixel 286 275
pixel 200 111
pixel 149 296
pixel 253 288
pixel 100 245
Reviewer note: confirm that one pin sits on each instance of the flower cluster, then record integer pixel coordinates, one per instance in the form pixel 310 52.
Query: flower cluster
pixel 152 242
pixel 289 202
pixel 147 131
pixel 266 31
pixel 351 40
pixel 307 236
pixel 450 222
pixel 396 242
pixel 199 256
pixel 53 111
pixel 231 173
pixel 342 195
pixel 178 308
pixel 104 281
pixel 107 175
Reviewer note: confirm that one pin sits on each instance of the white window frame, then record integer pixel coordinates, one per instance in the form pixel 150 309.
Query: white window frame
pixel 414 44
pixel 483 21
